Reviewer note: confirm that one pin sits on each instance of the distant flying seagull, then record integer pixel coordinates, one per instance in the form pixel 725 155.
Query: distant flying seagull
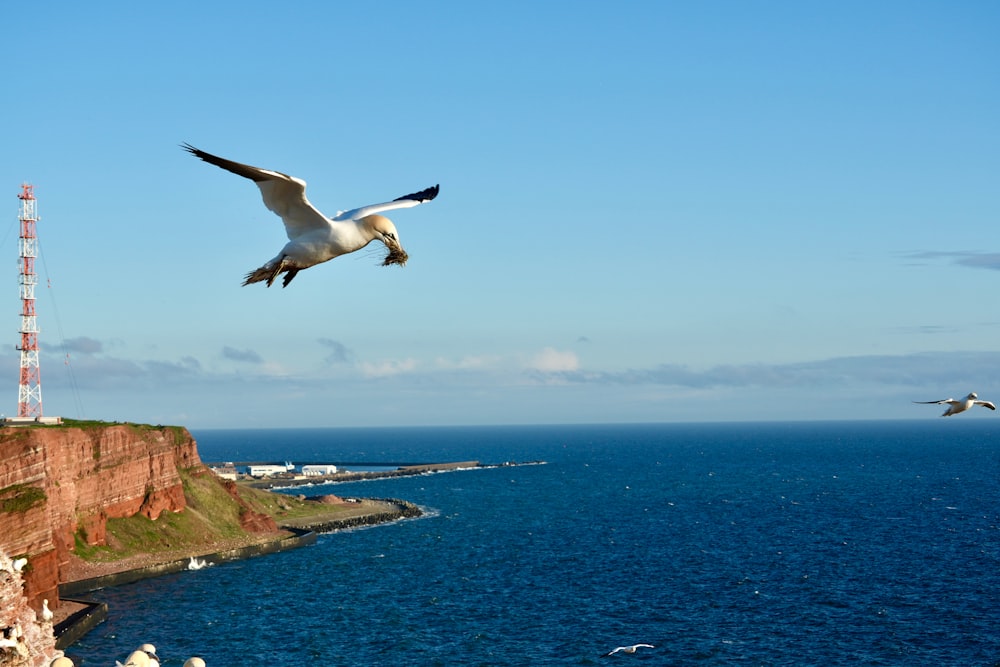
pixel 313 237
pixel 628 649
pixel 954 407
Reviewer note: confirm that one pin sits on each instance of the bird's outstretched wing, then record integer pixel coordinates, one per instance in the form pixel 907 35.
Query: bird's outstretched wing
pixel 628 649
pixel 986 404
pixel 406 201
pixel 283 195
pixel 941 402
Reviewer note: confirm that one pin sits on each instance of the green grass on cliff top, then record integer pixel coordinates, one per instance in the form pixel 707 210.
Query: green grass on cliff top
pixel 211 516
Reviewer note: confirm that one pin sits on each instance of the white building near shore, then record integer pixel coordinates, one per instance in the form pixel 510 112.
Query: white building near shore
pixel 226 471
pixel 266 470
pixel 319 470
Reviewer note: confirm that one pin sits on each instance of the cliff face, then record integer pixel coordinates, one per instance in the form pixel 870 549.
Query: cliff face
pixel 57 482
pixel 30 642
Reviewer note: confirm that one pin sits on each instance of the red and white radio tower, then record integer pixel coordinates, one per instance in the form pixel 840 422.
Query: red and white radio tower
pixel 29 397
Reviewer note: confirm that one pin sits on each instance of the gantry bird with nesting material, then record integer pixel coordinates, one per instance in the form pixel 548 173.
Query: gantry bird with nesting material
pixel 960 405
pixel 314 238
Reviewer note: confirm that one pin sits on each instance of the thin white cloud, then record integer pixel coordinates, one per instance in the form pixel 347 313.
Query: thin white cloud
pixel 551 360
pixel 945 369
pixel 141 390
pixel 972 260
pixel 928 329
pixel 472 362
pixel 387 368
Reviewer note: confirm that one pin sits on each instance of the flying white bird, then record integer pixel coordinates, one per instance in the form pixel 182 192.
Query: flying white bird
pixel 314 238
pixel 628 649
pixel 954 407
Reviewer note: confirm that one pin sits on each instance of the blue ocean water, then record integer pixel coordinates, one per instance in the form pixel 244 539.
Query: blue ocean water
pixel 835 543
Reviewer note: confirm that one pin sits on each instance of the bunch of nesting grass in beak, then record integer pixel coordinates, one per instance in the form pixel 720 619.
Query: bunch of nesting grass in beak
pixel 396 256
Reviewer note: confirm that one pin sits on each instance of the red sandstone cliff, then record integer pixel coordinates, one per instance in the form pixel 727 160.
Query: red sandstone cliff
pixel 57 482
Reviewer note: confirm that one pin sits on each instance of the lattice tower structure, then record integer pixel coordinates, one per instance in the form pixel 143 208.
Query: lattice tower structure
pixel 29 396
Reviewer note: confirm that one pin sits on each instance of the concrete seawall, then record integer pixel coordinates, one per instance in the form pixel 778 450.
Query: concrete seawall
pixel 79 623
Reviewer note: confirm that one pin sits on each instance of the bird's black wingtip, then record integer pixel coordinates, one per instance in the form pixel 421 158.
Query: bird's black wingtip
pixel 422 196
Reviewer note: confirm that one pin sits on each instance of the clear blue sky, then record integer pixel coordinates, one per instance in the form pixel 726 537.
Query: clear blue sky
pixel 649 211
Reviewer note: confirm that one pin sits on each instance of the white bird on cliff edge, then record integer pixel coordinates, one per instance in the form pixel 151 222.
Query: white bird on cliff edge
pixel 19 564
pixel 46 612
pixel 628 649
pixel 137 658
pixel 312 237
pixel 957 406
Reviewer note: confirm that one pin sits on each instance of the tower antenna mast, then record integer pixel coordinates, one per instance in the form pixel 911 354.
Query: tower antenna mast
pixel 29 396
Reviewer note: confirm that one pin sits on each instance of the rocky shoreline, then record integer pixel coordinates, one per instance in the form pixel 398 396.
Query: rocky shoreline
pixel 403 510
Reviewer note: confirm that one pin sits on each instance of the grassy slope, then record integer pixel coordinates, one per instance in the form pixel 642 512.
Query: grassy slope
pixel 212 515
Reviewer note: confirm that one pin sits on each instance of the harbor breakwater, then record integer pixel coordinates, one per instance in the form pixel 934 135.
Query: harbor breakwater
pixel 352 476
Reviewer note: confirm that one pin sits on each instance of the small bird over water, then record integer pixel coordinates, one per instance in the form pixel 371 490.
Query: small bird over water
pixel 961 405
pixel 314 238
pixel 628 649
